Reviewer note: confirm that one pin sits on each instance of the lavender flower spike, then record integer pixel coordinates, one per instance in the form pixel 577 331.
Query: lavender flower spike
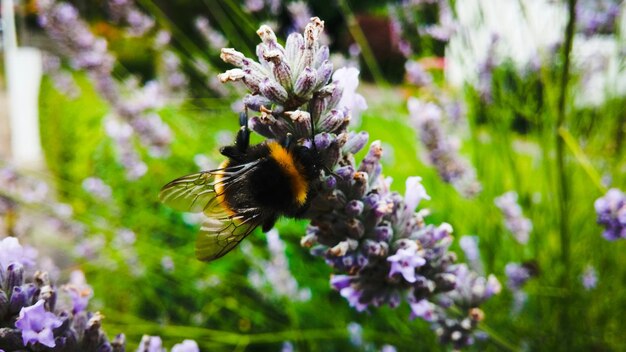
pixel 380 248
pixel 441 152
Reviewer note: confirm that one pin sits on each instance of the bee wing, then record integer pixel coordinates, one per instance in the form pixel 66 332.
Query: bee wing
pixel 197 192
pixel 222 230
pixel 219 235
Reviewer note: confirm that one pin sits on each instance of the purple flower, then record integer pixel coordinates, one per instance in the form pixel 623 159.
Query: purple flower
pixel 79 291
pixel 186 346
pixel 611 211
pixel 97 188
pixel 422 309
pixel 347 79
pixel 415 74
pixel 36 324
pixel 11 251
pixel 517 275
pixel 405 261
pixel 414 193
pixel 589 278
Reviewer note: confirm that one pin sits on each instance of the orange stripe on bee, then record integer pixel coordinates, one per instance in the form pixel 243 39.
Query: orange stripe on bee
pixel 219 188
pixel 298 183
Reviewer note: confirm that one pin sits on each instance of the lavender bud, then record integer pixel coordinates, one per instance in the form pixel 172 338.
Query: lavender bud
pixel 4 304
pixel 312 32
pixel 322 140
pixel 331 121
pixel 330 183
pixel 15 276
pixel 372 159
pixel 253 80
pixel 232 56
pixel 355 142
pixel 322 56
pixel 345 172
pixel 273 91
pixel 294 48
pixel 335 92
pixel 360 185
pixel 324 72
pixel 19 299
pixel 445 282
pixel 306 82
pixel 255 102
pixel 355 228
pixel 384 232
pixel 118 343
pixel 376 249
pixel 317 105
pixel 281 69
pixel 268 37
pixel 301 121
pixel 340 249
pixel 354 208
pixel 261 126
pixel 232 75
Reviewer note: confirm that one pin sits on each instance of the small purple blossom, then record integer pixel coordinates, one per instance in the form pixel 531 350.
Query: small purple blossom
pixel 97 188
pixel 405 261
pixel 422 309
pixel 37 324
pixel 517 275
pixel 79 291
pixel 416 74
pixel 589 278
pixel 611 211
pixel 11 251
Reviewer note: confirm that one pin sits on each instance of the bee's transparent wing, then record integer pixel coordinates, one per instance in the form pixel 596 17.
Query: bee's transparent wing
pixel 223 229
pixel 219 235
pixel 197 192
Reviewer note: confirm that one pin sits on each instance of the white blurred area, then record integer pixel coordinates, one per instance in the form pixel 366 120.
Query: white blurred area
pixel 19 103
pixel 529 33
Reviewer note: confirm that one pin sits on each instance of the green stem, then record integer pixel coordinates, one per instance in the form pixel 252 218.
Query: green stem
pixel 579 154
pixel 499 340
pixel 359 37
pixel 561 172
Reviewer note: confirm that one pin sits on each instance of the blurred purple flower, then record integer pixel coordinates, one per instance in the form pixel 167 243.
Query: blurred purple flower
pixel 611 212
pixel 37 324
pixel 96 187
pixel 186 346
pixel 589 278
pixel 517 275
pixel 514 220
pixel 79 291
pixel 11 251
pixel 416 74
pixel 427 118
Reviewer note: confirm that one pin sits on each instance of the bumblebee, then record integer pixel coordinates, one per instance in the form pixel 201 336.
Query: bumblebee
pixel 253 187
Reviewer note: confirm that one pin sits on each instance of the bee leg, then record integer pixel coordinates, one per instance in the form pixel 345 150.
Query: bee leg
pixel 243 136
pixel 288 141
pixel 268 224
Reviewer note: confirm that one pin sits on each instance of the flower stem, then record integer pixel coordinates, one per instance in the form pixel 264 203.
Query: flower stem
pixel 561 172
pixel 359 37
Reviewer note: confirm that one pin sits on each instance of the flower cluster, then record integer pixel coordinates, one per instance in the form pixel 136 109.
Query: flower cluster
pixel 126 11
pixel 441 151
pixel 514 220
pixel 611 211
pixel 89 53
pixel 36 316
pixel 380 247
